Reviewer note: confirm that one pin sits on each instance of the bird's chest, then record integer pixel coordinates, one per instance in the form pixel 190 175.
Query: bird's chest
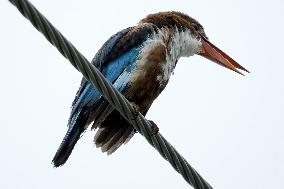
pixel 149 76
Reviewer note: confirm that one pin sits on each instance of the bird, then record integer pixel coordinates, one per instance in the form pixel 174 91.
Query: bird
pixel 138 61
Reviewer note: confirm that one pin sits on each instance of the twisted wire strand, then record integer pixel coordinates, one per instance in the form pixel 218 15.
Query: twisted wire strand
pixel 93 75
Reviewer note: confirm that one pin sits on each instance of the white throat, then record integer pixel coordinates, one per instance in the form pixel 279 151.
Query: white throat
pixel 181 44
pixel 178 44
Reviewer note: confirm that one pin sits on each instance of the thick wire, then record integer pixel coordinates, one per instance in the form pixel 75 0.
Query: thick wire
pixel 114 97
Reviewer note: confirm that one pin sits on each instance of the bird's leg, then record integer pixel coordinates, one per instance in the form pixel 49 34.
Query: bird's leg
pixel 136 109
pixel 154 127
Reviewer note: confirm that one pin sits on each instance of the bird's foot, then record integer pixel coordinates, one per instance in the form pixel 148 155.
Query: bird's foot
pixel 154 127
pixel 136 109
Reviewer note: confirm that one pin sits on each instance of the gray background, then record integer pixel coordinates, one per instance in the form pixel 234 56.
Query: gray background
pixel 229 127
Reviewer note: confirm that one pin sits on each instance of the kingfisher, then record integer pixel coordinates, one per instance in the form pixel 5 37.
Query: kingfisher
pixel 138 61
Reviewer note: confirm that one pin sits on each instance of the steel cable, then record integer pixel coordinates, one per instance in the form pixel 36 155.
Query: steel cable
pixel 93 75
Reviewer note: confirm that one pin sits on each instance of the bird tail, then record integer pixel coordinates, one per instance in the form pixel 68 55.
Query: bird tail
pixel 76 128
pixel 113 132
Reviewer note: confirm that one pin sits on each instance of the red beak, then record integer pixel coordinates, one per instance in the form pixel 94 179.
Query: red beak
pixel 214 54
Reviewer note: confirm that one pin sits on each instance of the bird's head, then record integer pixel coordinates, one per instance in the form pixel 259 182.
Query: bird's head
pixel 183 22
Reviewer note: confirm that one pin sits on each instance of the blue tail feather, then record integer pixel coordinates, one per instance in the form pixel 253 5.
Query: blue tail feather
pixel 73 134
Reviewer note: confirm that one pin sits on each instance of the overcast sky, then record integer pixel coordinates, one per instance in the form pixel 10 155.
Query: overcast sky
pixel 230 128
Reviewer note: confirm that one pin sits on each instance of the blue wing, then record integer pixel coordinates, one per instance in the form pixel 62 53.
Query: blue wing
pixel 88 95
pixel 114 60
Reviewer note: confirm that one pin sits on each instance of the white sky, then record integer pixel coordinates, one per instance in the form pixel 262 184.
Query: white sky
pixel 230 128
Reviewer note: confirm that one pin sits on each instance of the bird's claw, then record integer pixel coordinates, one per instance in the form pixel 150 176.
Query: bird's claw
pixel 136 109
pixel 154 127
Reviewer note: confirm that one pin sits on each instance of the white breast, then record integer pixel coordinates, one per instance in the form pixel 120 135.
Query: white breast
pixel 178 44
pixel 181 44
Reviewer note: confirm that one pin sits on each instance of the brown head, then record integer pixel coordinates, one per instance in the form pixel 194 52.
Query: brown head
pixel 183 22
